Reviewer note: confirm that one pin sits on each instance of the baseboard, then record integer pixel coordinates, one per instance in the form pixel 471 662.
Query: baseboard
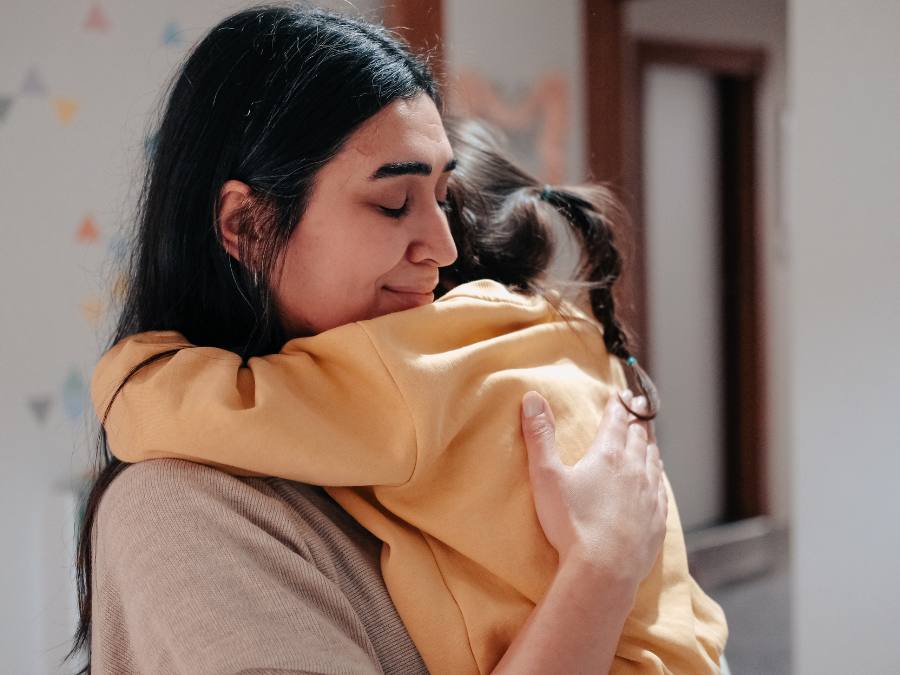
pixel 735 552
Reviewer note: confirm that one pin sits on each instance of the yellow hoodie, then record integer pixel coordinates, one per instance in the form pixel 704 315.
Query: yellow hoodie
pixel 411 421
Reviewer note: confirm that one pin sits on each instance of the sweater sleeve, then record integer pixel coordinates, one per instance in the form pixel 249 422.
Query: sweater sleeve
pixel 198 573
pixel 282 415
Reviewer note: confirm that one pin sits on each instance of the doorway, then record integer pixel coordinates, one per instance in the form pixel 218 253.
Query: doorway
pixel 697 226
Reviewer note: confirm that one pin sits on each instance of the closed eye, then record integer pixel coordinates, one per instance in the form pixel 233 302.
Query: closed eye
pixel 396 214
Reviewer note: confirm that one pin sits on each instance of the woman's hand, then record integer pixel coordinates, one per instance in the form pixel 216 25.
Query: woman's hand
pixel 607 518
pixel 609 510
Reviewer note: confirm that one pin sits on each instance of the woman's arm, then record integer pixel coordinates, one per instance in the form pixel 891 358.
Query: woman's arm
pixel 607 518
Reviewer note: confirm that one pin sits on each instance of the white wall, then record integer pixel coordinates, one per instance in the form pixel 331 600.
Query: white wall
pixel 682 223
pixel 844 222
pixel 51 176
pixel 754 23
pixel 513 44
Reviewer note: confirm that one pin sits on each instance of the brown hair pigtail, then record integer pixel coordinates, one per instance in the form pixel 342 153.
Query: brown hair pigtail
pixel 588 209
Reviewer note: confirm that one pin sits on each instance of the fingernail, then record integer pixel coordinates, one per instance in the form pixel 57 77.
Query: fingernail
pixel 532 404
pixel 626 395
pixel 639 404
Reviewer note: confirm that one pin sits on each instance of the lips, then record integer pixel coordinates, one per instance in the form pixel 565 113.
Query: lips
pixel 413 286
pixel 412 296
pixel 410 290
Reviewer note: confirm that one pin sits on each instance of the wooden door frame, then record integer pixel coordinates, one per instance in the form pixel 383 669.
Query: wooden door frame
pixel 421 24
pixel 738 72
pixel 604 47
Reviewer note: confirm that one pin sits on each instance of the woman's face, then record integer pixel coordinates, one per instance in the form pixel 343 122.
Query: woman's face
pixel 374 233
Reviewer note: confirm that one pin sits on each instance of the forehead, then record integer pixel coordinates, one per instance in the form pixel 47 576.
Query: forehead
pixel 407 130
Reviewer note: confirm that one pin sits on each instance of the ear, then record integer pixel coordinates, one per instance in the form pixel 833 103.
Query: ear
pixel 234 194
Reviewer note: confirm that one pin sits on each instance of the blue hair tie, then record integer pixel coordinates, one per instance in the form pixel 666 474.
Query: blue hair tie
pixel 545 195
pixel 631 361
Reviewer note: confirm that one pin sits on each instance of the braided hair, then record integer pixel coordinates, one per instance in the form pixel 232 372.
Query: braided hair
pixel 502 219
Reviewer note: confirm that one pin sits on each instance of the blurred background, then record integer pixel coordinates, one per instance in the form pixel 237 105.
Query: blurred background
pixel 757 145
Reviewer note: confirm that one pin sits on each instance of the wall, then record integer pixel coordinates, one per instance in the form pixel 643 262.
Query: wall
pixel 78 81
pixel 754 23
pixel 844 224
pixel 517 47
pixel 681 224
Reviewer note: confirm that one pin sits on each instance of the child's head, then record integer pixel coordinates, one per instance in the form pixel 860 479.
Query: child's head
pixel 503 222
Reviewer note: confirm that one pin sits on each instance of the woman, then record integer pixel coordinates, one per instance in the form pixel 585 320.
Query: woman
pixel 224 575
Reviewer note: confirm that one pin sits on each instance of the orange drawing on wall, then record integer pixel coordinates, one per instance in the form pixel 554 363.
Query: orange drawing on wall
pixel 88 232
pixel 66 109
pixel 545 104
pixel 96 20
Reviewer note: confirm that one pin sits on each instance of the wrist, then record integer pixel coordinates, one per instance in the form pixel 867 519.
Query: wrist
pixel 576 626
pixel 596 577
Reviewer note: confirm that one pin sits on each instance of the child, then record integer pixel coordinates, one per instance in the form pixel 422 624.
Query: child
pixel 411 421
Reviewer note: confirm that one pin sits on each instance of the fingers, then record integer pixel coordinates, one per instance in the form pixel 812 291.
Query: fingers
pixel 652 426
pixel 613 431
pixel 636 445
pixel 639 405
pixel 663 499
pixel 539 430
pixel 639 434
pixel 654 470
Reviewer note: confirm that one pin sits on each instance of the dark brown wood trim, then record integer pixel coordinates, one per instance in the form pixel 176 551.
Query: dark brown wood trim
pixel 738 71
pixel 421 24
pixel 742 358
pixel 716 58
pixel 608 112
pixel 603 44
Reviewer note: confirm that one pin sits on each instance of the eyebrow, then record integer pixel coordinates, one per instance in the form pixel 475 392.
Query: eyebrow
pixel 394 169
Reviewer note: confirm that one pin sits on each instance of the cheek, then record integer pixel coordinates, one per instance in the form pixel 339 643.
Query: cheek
pixel 331 275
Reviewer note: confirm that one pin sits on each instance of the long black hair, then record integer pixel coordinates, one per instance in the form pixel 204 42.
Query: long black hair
pixel 502 221
pixel 267 98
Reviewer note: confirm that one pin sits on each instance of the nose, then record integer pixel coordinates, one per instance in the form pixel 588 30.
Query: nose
pixel 433 243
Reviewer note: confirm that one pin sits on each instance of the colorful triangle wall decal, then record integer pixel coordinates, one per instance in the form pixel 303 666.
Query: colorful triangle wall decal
pixel 150 145
pixel 88 232
pixel 120 288
pixel 171 34
pixel 91 309
pixel 74 395
pixel 96 19
pixel 33 84
pixel 40 407
pixel 118 249
pixel 5 105
pixel 74 383
pixel 66 109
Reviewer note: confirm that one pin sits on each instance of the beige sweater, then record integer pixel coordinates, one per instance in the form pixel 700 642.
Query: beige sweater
pixel 200 573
